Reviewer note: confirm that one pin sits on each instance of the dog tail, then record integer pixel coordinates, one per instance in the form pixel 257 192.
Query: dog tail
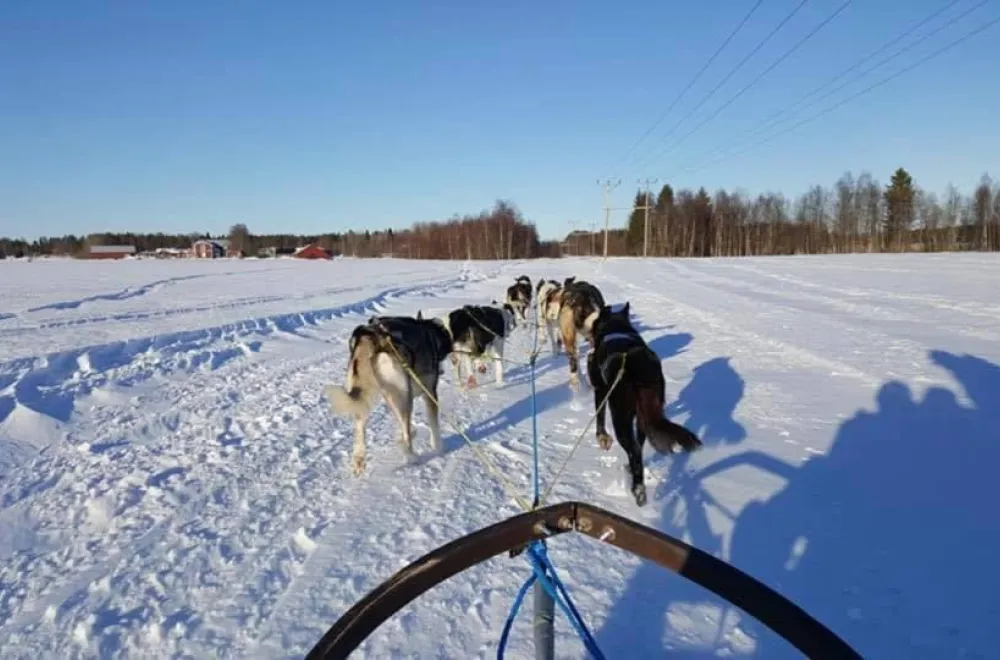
pixel 357 398
pixel 665 436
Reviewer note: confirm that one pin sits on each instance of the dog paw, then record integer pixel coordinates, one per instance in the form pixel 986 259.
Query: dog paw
pixel 604 440
pixel 358 465
pixel 481 368
pixel 471 382
pixel 640 495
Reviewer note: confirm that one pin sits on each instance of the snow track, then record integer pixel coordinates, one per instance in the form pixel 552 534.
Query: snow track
pixel 172 484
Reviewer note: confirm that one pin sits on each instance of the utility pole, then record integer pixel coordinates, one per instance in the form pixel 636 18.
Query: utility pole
pixel 645 224
pixel 609 185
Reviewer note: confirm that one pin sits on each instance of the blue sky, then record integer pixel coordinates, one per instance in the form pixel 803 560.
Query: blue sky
pixel 322 116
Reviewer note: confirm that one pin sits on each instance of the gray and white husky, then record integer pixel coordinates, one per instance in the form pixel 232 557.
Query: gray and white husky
pixel 387 355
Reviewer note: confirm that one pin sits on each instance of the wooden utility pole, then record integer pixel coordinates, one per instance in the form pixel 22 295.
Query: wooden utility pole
pixel 609 185
pixel 645 225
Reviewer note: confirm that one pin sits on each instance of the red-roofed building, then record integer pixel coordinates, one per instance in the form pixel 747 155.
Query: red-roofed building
pixel 311 251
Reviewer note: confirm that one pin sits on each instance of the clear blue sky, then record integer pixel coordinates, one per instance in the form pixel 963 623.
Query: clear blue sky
pixel 321 116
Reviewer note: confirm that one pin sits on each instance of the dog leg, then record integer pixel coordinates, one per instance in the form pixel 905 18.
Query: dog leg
pixel 624 423
pixel 568 331
pixel 540 331
pixel 601 390
pixel 471 382
pixel 497 350
pixel 603 439
pixel 358 453
pixel 434 423
pixel 554 338
pixel 398 391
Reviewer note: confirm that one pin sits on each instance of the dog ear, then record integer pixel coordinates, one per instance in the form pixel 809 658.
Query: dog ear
pixel 626 308
pixel 420 315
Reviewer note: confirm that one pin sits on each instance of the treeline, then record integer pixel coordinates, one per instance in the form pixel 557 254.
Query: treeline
pixel 857 214
pixel 497 233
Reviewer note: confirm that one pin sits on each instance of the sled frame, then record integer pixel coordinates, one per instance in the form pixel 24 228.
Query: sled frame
pixel 513 535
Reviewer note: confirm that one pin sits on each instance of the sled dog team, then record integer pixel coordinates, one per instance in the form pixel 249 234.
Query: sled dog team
pixel 399 358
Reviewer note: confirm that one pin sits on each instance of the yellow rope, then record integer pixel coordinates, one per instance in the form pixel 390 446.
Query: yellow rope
pixel 583 433
pixel 482 455
pixel 479 452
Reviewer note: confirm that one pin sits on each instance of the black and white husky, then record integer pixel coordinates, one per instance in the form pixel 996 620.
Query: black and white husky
pixel 477 332
pixel 548 295
pixel 386 355
pixel 519 296
pixel 580 306
pixel 638 396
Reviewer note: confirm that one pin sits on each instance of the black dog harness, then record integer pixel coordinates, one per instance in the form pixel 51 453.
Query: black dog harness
pixel 412 338
pixel 616 345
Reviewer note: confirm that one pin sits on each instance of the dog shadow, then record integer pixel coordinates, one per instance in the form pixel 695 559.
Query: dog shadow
pixel 857 537
pixel 545 399
pixel 641 327
pixel 670 345
pixel 636 620
pixel 710 400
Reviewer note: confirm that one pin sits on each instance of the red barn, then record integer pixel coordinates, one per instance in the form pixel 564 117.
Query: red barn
pixel 311 251
pixel 110 251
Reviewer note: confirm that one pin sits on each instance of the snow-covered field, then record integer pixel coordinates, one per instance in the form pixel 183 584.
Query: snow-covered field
pixel 173 484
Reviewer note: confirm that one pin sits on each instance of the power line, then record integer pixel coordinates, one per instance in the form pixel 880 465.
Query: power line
pixel 695 79
pixel 858 94
pixel 884 47
pixel 759 77
pixel 736 68
pixel 771 121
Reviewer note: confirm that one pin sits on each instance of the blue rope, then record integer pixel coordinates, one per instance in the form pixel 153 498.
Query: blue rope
pixel 545 574
pixel 542 569
pixel 553 585
pixel 513 613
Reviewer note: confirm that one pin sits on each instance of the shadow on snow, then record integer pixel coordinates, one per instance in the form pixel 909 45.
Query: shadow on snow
pixel 888 539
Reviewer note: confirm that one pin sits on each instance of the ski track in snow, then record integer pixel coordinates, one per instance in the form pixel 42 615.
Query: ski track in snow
pixel 172 483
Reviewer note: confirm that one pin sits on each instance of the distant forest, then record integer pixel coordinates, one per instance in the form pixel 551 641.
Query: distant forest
pixel 856 214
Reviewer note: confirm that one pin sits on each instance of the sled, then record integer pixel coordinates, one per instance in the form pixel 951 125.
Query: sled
pixel 516 534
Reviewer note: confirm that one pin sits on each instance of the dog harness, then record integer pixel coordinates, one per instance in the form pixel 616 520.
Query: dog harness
pixel 413 338
pixel 616 344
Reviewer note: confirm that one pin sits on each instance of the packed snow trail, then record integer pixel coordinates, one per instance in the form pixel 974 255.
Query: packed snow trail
pixel 174 484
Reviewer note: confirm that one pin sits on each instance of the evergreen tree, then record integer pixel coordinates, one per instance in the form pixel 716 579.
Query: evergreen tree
pixel 659 233
pixel 900 207
pixel 636 219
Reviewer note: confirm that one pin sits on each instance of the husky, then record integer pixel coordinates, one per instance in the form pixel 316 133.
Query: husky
pixel 638 396
pixel 479 331
pixel 386 355
pixel 519 296
pixel 581 303
pixel 548 295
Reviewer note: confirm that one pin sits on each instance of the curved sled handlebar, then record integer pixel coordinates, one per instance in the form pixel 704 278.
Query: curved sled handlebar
pixel 757 599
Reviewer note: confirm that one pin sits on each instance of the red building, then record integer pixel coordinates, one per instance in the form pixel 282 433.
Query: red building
pixel 311 251
pixel 110 251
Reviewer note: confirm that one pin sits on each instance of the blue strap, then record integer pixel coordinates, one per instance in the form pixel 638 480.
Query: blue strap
pixel 545 574
pixel 551 582
pixel 542 569
pixel 502 646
